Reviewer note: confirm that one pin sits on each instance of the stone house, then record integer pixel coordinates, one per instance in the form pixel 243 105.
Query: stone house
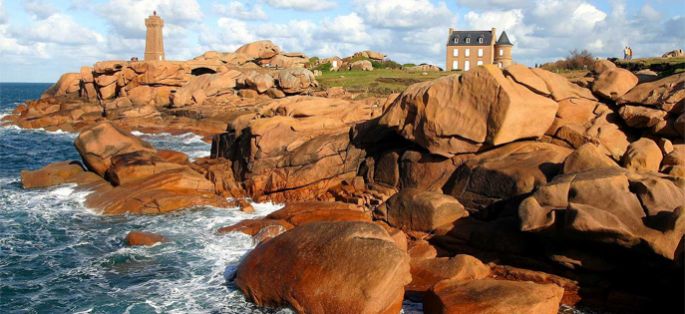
pixel 466 49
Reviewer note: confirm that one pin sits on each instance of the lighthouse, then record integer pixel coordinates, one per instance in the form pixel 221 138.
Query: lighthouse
pixel 154 41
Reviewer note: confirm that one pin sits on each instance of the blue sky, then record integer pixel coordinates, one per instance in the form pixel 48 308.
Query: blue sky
pixel 39 40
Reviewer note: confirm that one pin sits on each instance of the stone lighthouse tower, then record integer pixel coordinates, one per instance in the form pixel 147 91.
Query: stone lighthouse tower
pixel 154 41
pixel 503 47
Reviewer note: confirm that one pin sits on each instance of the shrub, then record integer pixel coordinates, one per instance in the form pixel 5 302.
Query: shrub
pixel 576 60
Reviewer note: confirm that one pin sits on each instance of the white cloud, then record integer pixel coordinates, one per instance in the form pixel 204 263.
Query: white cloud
pixel 3 14
pixel 239 10
pixel 304 5
pixel 61 29
pixel 493 4
pixel 403 13
pixel 126 17
pixel 39 9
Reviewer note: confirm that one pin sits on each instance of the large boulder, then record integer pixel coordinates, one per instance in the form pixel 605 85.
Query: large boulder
pixel 68 84
pixel 298 213
pixel 288 60
pixel 296 81
pixel 361 65
pixel 666 94
pixel 141 238
pixel 417 210
pixel 327 267
pixel 453 114
pixel 102 141
pixel 263 49
pixel 295 148
pixel 643 155
pixel 505 172
pixel 610 206
pixel 614 83
pixel 547 83
pixel 493 297
pixel 259 82
pixel 587 157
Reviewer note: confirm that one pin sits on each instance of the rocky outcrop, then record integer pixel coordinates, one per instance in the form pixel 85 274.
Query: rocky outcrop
pixel 610 206
pixel 57 173
pixel 506 172
pixel 674 54
pixel 426 272
pixel 424 68
pixel 69 84
pixel 656 106
pixel 453 115
pixel 295 148
pixel 369 54
pixel 324 267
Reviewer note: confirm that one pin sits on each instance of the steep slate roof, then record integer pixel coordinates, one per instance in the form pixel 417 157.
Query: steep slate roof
pixel 474 35
pixel 504 40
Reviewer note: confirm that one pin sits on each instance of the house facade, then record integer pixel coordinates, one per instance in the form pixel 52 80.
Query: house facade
pixel 467 49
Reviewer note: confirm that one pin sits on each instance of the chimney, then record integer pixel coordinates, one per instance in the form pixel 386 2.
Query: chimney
pixel 494 35
pixel 451 31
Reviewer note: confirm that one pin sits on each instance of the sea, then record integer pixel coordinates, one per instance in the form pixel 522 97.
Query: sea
pixel 57 256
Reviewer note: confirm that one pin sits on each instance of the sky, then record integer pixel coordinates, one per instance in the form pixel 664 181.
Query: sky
pixel 40 40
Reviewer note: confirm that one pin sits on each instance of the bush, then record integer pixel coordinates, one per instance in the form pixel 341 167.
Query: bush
pixel 326 67
pixel 576 60
pixel 409 65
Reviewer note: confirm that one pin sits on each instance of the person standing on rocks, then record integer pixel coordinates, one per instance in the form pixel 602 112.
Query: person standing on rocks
pixel 625 53
pixel 630 53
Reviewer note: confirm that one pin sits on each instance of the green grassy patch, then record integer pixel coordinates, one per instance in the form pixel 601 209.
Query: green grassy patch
pixel 666 66
pixel 379 82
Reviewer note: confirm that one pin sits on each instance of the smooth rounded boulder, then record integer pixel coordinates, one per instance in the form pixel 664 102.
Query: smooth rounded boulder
pixel 614 83
pixel 493 297
pixel 413 209
pixel 327 267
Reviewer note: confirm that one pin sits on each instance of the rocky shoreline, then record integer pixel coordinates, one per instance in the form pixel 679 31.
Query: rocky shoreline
pixel 494 191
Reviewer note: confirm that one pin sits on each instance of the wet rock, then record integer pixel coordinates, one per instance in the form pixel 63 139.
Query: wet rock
pixel 413 209
pixel 55 174
pixel 324 267
pixel 493 296
pixel 140 238
pixel 254 226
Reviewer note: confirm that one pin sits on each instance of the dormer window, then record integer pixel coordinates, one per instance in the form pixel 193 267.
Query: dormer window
pixel 456 40
pixel 468 40
pixel 480 40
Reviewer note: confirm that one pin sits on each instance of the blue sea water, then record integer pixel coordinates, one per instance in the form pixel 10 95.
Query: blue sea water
pixel 57 256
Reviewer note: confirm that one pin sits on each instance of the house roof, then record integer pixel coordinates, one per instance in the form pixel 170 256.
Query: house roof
pixel 504 40
pixel 461 36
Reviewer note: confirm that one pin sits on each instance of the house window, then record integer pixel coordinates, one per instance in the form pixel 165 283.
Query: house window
pixel 467 52
pixel 501 52
pixel 455 52
pixel 480 40
pixel 480 52
pixel 480 62
pixel 456 40
pixel 455 65
pixel 468 40
pixel 467 65
pixel 500 64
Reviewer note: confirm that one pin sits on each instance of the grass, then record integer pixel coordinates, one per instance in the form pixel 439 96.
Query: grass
pixel 665 65
pixel 379 82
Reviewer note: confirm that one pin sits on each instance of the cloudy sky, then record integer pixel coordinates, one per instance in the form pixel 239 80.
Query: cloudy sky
pixel 41 39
